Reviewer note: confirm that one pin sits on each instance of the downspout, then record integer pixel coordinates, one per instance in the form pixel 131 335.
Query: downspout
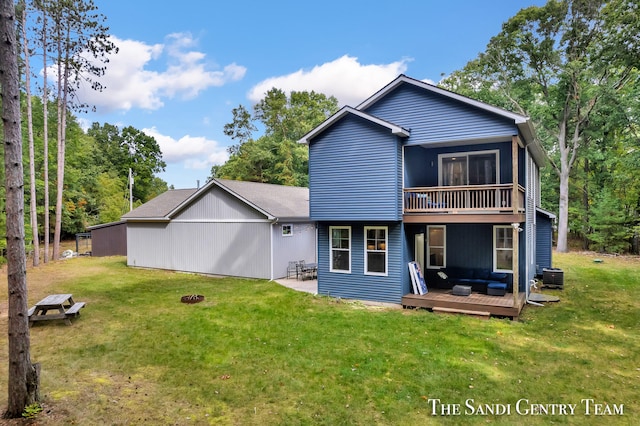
pixel 273 224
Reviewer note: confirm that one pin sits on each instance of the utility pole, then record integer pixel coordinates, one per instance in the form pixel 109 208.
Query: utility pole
pixel 130 190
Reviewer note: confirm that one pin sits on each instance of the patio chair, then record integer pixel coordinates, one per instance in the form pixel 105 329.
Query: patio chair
pixel 308 270
pixel 292 269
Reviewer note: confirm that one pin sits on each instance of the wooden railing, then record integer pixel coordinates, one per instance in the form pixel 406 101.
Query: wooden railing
pixel 463 199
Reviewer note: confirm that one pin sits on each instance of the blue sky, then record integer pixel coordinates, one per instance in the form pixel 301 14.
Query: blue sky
pixel 183 66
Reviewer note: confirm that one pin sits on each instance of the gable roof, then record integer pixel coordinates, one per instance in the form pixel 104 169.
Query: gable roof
pixel 274 201
pixel 402 79
pixel 346 110
pixel 522 122
pixel 159 207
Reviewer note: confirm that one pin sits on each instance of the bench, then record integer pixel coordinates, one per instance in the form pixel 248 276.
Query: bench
pixel 31 311
pixel 75 309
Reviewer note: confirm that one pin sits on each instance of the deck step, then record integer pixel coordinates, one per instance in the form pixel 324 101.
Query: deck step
pixel 480 314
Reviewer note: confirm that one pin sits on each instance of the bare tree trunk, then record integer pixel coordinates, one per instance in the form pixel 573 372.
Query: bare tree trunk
pixel 563 211
pixel 32 167
pixel 62 143
pixel 45 137
pixel 23 376
pixel 568 154
pixel 60 157
pixel 585 205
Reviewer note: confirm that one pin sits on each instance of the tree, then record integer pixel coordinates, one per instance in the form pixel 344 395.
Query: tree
pixel 23 375
pixel 275 157
pixel 610 223
pixel 82 45
pixel 556 63
pixel 240 129
pixel 129 148
pixel 43 31
pixel 32 170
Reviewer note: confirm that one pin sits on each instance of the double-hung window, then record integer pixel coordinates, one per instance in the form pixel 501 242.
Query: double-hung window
pixel 469 168
pixel 340 246
pixel 436 246
pixel 375 249
pixel 503 248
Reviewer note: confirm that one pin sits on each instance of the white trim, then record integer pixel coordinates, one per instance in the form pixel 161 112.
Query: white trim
pixel 467 154
pixel 340 271
pixel 385 251
pixel 495 249
pixel 221 221
pixel 271 265
pixel 444 248
pixel 395 129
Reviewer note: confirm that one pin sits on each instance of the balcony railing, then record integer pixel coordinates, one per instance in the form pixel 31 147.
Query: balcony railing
pixel 464 199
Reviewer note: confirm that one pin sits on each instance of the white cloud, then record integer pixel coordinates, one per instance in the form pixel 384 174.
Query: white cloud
pixel 345 78
pixel 143 76
pixel 193 152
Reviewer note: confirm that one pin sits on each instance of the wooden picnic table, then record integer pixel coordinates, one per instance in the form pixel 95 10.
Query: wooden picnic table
pixel 62 306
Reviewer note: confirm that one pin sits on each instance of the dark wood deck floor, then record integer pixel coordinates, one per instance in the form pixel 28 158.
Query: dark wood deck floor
pixel 443 300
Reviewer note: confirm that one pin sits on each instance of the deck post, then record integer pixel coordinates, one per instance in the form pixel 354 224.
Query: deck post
pixel 515 196
pixel 515 262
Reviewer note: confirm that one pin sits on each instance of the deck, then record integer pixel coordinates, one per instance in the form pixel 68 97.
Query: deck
pixel 443 301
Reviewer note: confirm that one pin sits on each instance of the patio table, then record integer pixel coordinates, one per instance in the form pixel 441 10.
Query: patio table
pixel 62 306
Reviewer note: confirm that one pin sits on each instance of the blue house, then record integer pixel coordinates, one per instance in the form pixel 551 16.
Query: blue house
pixel 419 173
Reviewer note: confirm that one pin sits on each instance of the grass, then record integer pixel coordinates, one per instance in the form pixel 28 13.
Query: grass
pixel 257 353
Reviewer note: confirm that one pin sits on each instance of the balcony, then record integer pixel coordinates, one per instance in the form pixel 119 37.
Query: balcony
pixel 476 199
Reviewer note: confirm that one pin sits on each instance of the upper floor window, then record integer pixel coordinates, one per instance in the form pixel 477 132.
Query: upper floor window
pixel 469 168
pixel 340 246
pixel 375 259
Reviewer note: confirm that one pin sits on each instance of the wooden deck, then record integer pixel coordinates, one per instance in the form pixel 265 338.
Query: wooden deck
pixel 441 300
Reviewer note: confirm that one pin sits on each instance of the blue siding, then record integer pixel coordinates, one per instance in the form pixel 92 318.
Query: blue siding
pixel 435 118
pixel 470 245
pixel 357 285
pixel 544 242
pixel 355 173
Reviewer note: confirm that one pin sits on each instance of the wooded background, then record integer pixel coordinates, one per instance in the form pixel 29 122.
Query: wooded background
pixel 572 66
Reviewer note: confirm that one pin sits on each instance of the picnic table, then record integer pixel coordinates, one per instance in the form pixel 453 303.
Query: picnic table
pixel 62 306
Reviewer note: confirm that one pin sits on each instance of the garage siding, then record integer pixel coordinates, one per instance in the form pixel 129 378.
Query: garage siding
pixel 299 246
pixel 234 249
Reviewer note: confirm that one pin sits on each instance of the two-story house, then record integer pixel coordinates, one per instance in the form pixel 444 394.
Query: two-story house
pixel 419 173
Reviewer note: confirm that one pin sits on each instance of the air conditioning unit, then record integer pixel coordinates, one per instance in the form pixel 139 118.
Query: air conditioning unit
pixel 553 277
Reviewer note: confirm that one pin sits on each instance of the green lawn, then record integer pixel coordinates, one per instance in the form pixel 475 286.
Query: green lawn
pixel 257 353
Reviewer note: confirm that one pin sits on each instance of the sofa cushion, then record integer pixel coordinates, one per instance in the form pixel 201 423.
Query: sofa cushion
pixel 481 274
pixel 498 276
pixel 496 289
pixel 496 285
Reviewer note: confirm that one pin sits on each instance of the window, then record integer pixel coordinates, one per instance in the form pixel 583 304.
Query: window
pixel 469 168
pixel 340 241
pixel 287 230
pixel 375 249
pixel 502 248
pixel 436 246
